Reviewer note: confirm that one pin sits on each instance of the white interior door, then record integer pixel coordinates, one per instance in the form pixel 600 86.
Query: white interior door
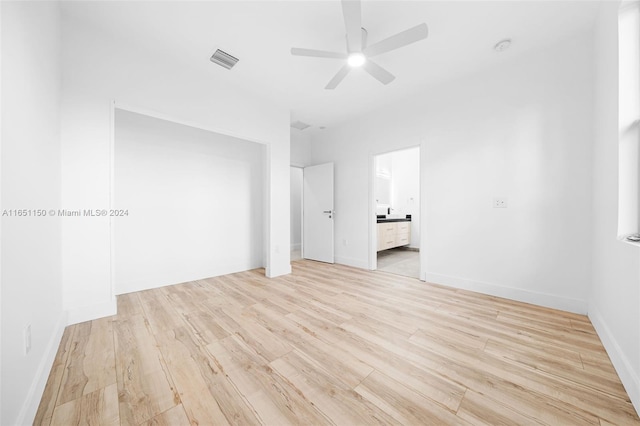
pixel 318 213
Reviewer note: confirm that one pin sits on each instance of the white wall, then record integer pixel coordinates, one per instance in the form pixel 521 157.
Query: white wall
pixel 31 246
pixel 300 148
pixel 99 68
pixel 194 203
pixel 615 293
pixel 296 208
pixel 519 131
pixel 405 188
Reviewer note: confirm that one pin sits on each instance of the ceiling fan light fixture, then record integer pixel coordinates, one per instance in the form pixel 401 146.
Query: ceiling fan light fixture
pixel 356 59
pixel 359 51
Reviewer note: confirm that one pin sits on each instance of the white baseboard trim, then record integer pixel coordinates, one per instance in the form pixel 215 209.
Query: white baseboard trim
pixel 88 313
pixel 163 280
pixel 276 272
pixel 541 299
pixel 356 263
pixel 28 410
pixel 296 246
pixel 620 361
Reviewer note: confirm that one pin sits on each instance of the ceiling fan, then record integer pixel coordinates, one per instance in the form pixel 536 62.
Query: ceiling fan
pixel 358 53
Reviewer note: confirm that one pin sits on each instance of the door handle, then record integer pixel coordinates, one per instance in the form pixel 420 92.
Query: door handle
pixel 327 211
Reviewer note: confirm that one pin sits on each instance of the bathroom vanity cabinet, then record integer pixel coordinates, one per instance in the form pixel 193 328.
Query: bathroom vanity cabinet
pixel 394 233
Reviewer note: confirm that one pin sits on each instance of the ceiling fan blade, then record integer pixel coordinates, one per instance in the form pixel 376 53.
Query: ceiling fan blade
pixel 353 24
pixel 364 38
pixel 296 51
pixel 397 41
pixel 379 73
pixel 338 77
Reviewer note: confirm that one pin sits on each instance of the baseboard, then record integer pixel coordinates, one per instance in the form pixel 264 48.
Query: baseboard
pixel 409 248
pixel 88 313
pixel 34 395
pixel 621 363
pixel 541 299
pixel 356 263
pixel 162 280
pixel 296 246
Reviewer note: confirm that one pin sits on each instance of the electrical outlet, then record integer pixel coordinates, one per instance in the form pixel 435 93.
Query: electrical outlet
pixel 27 339
pixel 500 203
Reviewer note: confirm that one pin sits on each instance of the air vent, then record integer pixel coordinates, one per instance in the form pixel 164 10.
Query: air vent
pixel 224 59
pixel 300 125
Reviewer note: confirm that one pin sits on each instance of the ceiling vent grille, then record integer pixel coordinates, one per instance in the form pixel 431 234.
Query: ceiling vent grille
pixel 300 125
pixel 224 59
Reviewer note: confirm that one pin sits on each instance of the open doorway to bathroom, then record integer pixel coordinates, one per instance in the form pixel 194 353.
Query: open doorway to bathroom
pixel 397 205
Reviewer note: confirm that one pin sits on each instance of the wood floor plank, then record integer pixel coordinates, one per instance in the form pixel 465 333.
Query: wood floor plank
pixel 403 404
pixel 172 417
pixel 566 334
pixel 50 394
pixel 145 388
pixel 528 388
pixel 453 335
pixel 91 364
pixel 199 404
pixel 331 344
pixel 158 311
pixel 477 409
pixel 231 403
pixel 95 408
pixel 201 321
pixel 343 405
pixel 73 379
pixel 429 383
pixel 343 364
pixel 266 343
pixel 274 399
pixel 128 305
pixel 598 364
pixel 100 355
pixel 556 366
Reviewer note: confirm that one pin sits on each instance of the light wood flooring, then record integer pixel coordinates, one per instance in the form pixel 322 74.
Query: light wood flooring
pixel 330 344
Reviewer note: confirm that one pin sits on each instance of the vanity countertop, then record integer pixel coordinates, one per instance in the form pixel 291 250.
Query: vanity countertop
pixel 385 219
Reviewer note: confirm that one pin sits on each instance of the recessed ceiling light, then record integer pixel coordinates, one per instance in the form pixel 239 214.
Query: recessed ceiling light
pixel 502 45
pixel 356 59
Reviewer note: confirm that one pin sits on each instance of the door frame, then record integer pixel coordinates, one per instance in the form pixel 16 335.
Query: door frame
pixel 373 234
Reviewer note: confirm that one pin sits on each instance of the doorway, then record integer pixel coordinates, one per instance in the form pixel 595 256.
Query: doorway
pixel 312 213
pixel 318 213
pixel 296 213
pixel 396 189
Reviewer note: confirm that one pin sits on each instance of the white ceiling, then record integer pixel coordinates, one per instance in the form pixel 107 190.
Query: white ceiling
pixel 260 34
